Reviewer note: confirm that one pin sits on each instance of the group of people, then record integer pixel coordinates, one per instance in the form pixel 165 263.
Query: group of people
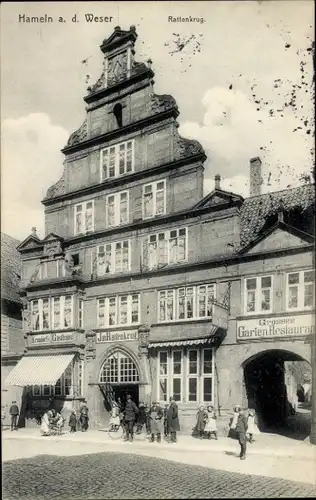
pixel 158 421
pixel 53 422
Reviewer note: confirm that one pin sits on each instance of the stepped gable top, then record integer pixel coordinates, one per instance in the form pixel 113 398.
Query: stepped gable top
pixel 255 210
pixel 11 268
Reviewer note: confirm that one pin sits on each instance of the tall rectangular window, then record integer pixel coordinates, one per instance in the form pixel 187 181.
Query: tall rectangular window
pixel 119 310
pixel 300 290
pixel 192 302
pixel 84 217
pixel 117 209
pixel 117 160
pixel 258 294
pixel 113 257
pixel 154 199
pixel 187 374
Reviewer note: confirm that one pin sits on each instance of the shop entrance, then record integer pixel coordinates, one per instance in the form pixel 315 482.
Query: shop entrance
pixel 272 379
pixel 121 391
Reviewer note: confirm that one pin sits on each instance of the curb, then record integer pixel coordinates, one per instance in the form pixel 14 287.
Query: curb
pixel 168 446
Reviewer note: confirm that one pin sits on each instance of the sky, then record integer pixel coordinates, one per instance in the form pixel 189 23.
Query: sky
pixel 242 79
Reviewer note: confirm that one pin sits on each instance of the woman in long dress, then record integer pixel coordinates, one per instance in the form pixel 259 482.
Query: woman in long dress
pixel 45 430
pixel 211 427
pixel 252 426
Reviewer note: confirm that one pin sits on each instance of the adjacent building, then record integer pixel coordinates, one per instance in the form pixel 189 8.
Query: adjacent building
pixel 142 285
pixel 12 336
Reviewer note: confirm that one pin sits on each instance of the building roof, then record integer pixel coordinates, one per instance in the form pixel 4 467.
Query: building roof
pixel 10 268
pixel 255 210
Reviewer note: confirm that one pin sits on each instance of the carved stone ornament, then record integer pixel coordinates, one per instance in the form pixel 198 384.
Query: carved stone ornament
pixel 79 135
pixel 117 68
pixel 35 274
pixel 186 147
pixel 90 344
pixel 143 336
pixel 52 247
pixel 160 103
pixel 57 189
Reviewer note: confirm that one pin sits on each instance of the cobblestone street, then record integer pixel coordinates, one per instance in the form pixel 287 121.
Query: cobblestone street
pixel 86 471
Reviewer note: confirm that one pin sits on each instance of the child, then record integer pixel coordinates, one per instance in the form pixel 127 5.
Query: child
pixel 201 418
pixel 211 427
pixel 252 425
pixel 232 430
pixel 73 421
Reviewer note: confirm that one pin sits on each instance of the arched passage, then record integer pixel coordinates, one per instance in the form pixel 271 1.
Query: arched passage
pixel 272 378
pixel 119 375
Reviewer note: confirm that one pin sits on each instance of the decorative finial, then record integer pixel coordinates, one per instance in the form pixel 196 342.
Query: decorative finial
pixel 281 211
pixel 34 231
pixel 149 63
pixel 132 27
pixel 217 181
pixel 117 28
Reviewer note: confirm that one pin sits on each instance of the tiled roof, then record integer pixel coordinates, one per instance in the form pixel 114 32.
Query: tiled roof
pixel 10 268
pixel 256 209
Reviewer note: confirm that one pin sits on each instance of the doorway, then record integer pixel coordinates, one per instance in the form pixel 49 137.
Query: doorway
pixel 121 391
pixel 271 380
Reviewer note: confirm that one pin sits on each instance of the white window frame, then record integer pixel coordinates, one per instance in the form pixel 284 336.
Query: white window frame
pixel 258 291
pixel 156 238
pixel 301 290
pixel 116 148
pixel 118 299
pixel 117 212
pixel 112 265
pixel 80 313
pixel 176 292
pixel 51 312
pixel 154 192
pixel 185 375
pixel 83 204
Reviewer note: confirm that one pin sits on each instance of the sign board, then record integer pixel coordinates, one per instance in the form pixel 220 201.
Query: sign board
pixel 276 327
pixel 114 336
pixel 220 316
pixel 52 338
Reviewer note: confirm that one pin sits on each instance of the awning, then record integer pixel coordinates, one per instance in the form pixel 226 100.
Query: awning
pixel 39 370
pixel 172 343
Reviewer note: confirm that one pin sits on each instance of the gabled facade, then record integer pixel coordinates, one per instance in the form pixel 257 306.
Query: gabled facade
pixel 141 280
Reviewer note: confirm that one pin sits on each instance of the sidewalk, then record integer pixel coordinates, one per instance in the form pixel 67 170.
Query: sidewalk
pixel 266 444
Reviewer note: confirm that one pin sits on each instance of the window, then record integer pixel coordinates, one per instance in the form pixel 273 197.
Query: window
pixel 119 368
pixel 52 314
pixel 187 374
pixel 117 209
pixel 121 310
pixel 117 160
pixel 165 248
pixel 117 111
pixel 186 303
pixel 154 199
pixel 113 258
pixel 300 290
pixel 75 259
pixel 63 387
pixel 84 217
pixel 258 295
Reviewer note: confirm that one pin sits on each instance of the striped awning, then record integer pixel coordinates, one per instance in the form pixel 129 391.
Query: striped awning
pixel 175 343
pixel 39 370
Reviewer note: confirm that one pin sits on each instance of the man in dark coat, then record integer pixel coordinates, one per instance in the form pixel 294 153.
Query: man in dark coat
pixel 173 420
pixel 14 413
pixel 241 430
pixel 84 417
pixel 130 413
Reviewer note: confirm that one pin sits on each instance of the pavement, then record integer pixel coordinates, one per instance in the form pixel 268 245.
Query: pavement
pixel 271 455
pixel 41 470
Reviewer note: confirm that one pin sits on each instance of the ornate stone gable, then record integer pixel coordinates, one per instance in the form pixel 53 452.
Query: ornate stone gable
pixel 52 245
pixel 117 68
pixel 57 189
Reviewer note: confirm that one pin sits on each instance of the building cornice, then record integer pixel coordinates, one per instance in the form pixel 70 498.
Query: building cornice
pixel 134 176
pixel 113 134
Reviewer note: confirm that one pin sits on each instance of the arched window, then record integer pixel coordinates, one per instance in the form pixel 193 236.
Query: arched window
pixel 119 368
pixel 118 113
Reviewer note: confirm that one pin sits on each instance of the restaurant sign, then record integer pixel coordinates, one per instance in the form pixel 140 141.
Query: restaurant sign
pixel 277 327
pixel 114 336
pixel 52 338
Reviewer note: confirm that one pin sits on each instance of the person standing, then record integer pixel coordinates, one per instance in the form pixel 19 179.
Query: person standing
pixel 84 417
pixel 201 418
pixel 173 420
pixel 130 414
pixel 165 420
pixel 241 431
pixel 232 430
pixel 156 417
pixel 141 419
pixel 252 425
pixel 14 413
pixel 72 421
pixel 211 427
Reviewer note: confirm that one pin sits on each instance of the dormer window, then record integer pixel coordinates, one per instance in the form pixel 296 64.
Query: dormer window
pixel 118 113
pixel 117 160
